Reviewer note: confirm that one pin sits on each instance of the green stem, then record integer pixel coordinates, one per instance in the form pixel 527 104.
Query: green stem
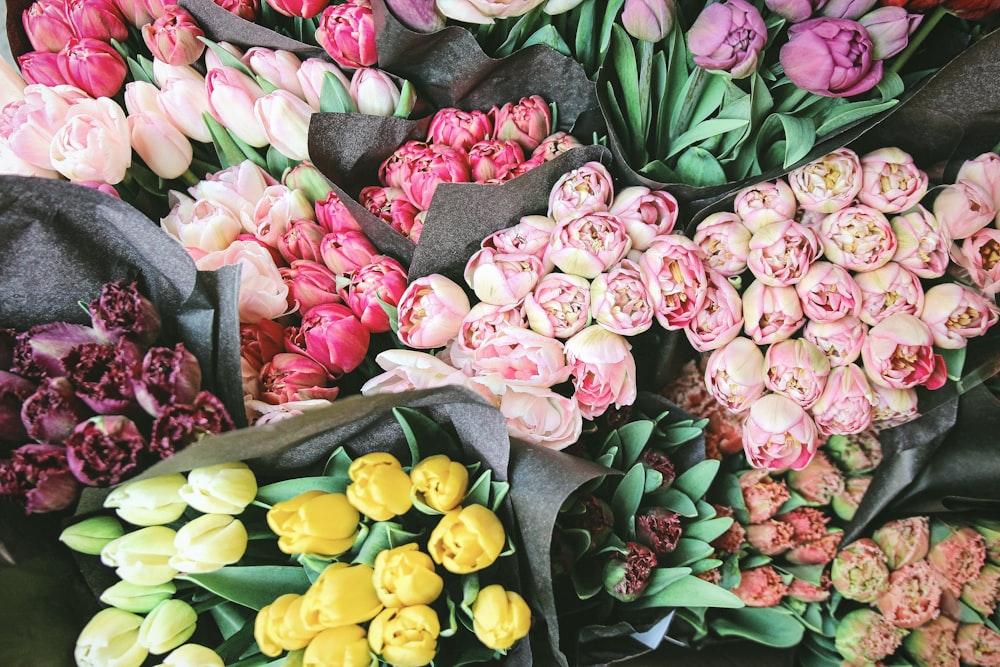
pixel 691 100
pixel 926 26
pixel 189 178
pixel 645 86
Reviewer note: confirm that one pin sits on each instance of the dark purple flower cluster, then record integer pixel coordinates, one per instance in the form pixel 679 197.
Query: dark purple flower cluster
pixel 94 405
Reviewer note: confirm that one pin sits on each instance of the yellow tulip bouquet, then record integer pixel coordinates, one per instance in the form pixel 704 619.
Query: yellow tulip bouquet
pixel 398 554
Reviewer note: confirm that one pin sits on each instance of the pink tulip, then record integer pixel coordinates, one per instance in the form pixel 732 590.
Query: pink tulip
pixel 559 305
pixel 139 12
pixel 502 279
pixel 302 8
pixel 771 313
pixel 734 374
pixel 984 171
pixel 890 29
pixel 31 123
pixel 92 66
pixel 41 68
pixel 527 122
pixel 829 183
pixel 888 290
pixel 540 416
pixel 891 182
pixel 309 284
pixel 955 313
pixel 263 294
pixel 674 272
pixel 588 189
pixel 432 165
pixel 554 145
pixel 93 144
pixel 276 209
pixel 161 146
pixel 603 370
pixel 141 97
pixel 344 252
pixel 797 369
pixel 847 9
pixel 396 168
pixel 858 238
pixel 98 19
pixel 293 377
pixel 781 252
pixel 334 337
pixel 763 203
pixel 839 339
pixel 311 75
pixel 531 235
pixel 46 25
pixel 725 241
pixel 589 244
pixel 231 99
pixel 845 407
pixel 407 370
pixel 278 67
pixel 921 245
pixel 374 92
pixel 173 37
pixel 430 312
pixel 245 9
pixel 334 216
pixel 620 301
pixel 646 213
pixel 522 356
pixel 828 292
pixel 284 118
pixel 459 129
pixel 392 206
pixel 899 353
pixel 347 32
pixel 302 240
pixel 482 322
pixel 382 281
pixel 831 57
pixel 795 10
pixel 979 255
pixel 720 320
pixel 728 36
pixel 239 188
pixel 963 208
pixel 649 20
pixel 493 161
pixel 778 434
pixel 892 407
pixel 184 101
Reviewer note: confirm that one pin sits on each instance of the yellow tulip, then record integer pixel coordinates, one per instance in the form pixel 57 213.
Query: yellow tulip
pixel 467 539
pixel 325 524
pixel 500 617
pixel 344 646
pixel 440 482
pixel 379 488
pixel 342 595
pixel 405 637
pixel 405 576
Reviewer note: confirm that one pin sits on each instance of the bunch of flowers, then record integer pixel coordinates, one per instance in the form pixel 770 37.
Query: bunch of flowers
pixel 920 588
pixel 369 563
pixel 846 306
pixel 462 147
pixel 312 286
pixel 559 296
pixel 94 405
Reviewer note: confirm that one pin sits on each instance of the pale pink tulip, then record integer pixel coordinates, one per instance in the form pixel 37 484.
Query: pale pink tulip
pixel 921 245
pixel 239 188
pixel 93 144
pixel 779 434
pixel 984 171
pixel 829 183
pixel 828 292
pixel 839 339
pixel 201 224
pixel 725 241
pixel 891 181
pixel 963 208
pixel 284 118
pixel 587 189
pixel 892 407
pixel 278 67
pixel 540 416
pixel 603 370
pixel 431 311
pixel 521 356
pixel 620 301
pixel 673 269
pixel 374 92
pixel 979 255
pixel 34 121
pixel 646 213
pixel 589 244
pixel 734 374
pixel 728 37
pixel 858 238
pixel 764 203
pixel 721 318
pixel 311 75
pixel 781 252
pixel 845 406
pixel 771 313
pixel 955 313
pixel 898 352
pixel 482 322
pixel 485 11
pixel 554 145
pixel 796 368
pixel 161 146
pixel 231 100
pixel 502 279
pixel 263 294
pixel 887 290
pixel 531 235
pixel 559 305
pixel 408 370
pixel 275 210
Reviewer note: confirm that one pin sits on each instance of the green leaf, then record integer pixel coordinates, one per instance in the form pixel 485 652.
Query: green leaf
pixel 697 167
pixel 479 492
pixel 773 626
pixel 377 540
pixel 278 163
pixel 710 529
pixel 954 360
pixel 611 10
pixel 675 501
pixel 333 97
pixel 634 436
pixel 662 577
pixel 407 100
pixel 654 480
pixel 690 591
pixel 696 480
pixel 239 640
pixel 252 586
pixel 705 564
pixel 688 551
pixel 337 466
pixel 230 618
pixel 550 37
pixel 588 578
pixel 226 58
pixel 626 499
pixel 799 133
pixel 849 113
pixel 425 436
pixel 470 591
pixel 659 171
pixel 138 72
pixel 626 70
pixel 705 130
pixel 890 86
pixel 228 152
pixel 808 573
pixel 583 40
pixel 289 488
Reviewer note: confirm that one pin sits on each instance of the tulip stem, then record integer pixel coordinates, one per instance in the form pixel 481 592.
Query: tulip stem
pixel 645 84
pixel 925 29
pixel 189 178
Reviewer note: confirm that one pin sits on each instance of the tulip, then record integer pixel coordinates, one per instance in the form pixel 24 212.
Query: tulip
pixel 555 145
pixel 587 189
pixel 379 487
pixel 589 244
pixel 527 122
pixel 674 272
pixel 844 51
pixel 761 204
pixel 762 494
pixel 760 587
pixel 334 217
pixel 646 213
pixel 955 313
pixel 439 482
pixel 232 97
pixel 36 118
pixel 829 183
pixel 434 165
pixel 277 67
pixel 277 208
pixel 345 645
pixel 209 543
pixel 858 238
pixel 725 241
pixel 845 406
pixel 314 523
pixel 904 541
pixel 541 416
pixel 963 208
pixel 864 636
pixel 779 434
pixel 46 25
pixel 933 643
pixel 110 638
pixel 142 557
pixel 382 281
pixel 845 504
pixel 335 338
pixel 889 29
pixel 981 593
pixel 795 11
pixel 958 558
pixel 105 450
pixel 482 322
pixel 185 102
pixel 921 247
pixel 459 129
pixel 781 252
pixel 405 636
pixel 167 626
pixel 659 529
pixel 284 119
pixel 771 313
pixel 192 655
pixel 182 424
pixel 840 340
pixel 977 643
pixel 97 19
pixel 342 595
pixel 728 36
pixel 493 160
pixel 502 279
pixel 859 572
pixel 310 180
pixel 913 596
pixel 42 68
pixel 301 8
pixel 856 453
pixel 467 539
pixel 807 591
pixel 627 572
pixel 891 182
pixel 149 502
pixel 173 37
pixel 224 488
pixel 47 414
pixel 828 293
pixel 245 9
pixel 888 290
pixel 847 9
pixel 431 311
pixel 898 353
pixel 521 356
pixel 347 251
pixel 290 377
pixel 141 97
pixel 619 300
pixel 735 374
pixel 93 66
pixel 137 599
pixel 374 92
pixel 721 320
pixel 309 284
pixel 984 171
pixel 405 576
pixel 285 625
pixel 91 535
pixel 38 478
pixel 263 294
pixel 202 224
pixel 649 20
pixel 164 149
pixel 603 370
pixel 797 369
pixel 771 537
pixel 499 617
pixel 94 143
pixel 311 75
pixel 347 32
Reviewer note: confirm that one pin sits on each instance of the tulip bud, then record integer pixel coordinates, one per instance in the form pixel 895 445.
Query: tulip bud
pixel 379 488
pixel 482 539
pixel 46 25
pixel 224 488
pixel 164 149
pixel 231 99
pixel 864 637
pixel 845 504
pixel 405 576
pixel 343 594
pixel 92 66
pixel 728 36
pixel 649 20
pixel 762 495
pixel 374 92
pixel 111 637
pixel 659 529
pixel 859 572
pixel 142 556
pixel 760 587
pixel 627 573
pixel 346 31
pixel 121 310
pixel 149 502
pixel 284 119
pixel 431 312
pixel 209 543
pixel 137 599
pixel 173 37
pixel 170 624
pixel 499 617
pixel 278 67
pixel 192 655
pixel 405 636
pixel 91 535
pixel 439 482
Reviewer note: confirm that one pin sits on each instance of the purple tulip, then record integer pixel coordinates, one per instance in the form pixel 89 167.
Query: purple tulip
pixel 103 375
pixel 831 57
pixel 650 20
pixel 105 450
pixel 121 310
pixel 38 477
pixel 168 375
pixel 14 390
pixel 52 412
pixel 181 424
pixel 890 29
pixel 39 351
pixel 795 10
pixel 728 36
